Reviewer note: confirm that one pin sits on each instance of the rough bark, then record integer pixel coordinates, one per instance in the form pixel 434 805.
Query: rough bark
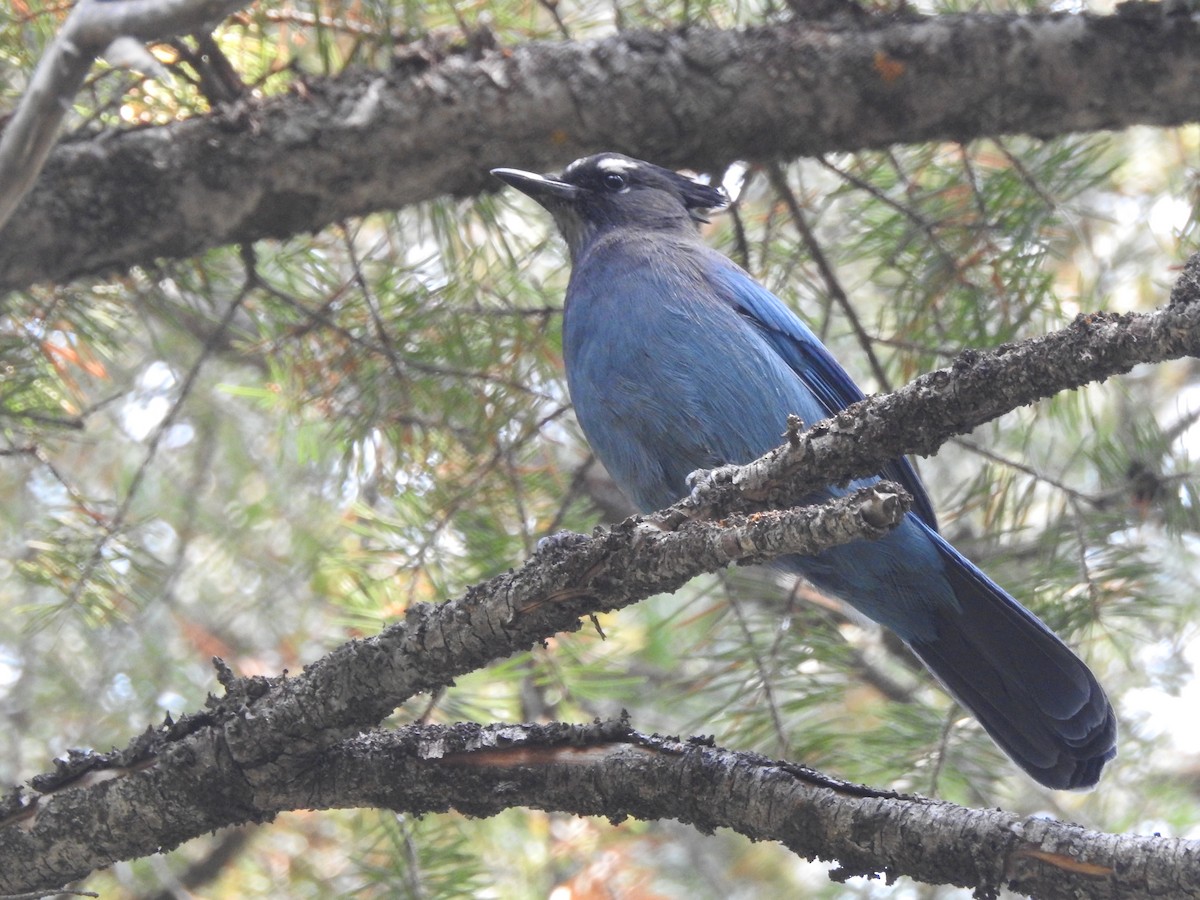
pixel 609 770
pixel 381 140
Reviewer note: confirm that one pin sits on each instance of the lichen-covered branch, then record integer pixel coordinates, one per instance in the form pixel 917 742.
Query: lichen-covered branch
pixel 208 770
pixel 608 769
pixel 700 97
pixel 224 764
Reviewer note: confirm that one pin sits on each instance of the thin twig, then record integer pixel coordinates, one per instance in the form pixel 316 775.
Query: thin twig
pixel 117 520
pixel 764 677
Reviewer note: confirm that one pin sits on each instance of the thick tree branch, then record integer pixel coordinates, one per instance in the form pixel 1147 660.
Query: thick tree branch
pixel 607 769
pixel 217 762
pixel 223 764
pixel 370 141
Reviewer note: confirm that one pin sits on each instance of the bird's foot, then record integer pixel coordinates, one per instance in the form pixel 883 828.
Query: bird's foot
pixel 701 481
pixel 560 540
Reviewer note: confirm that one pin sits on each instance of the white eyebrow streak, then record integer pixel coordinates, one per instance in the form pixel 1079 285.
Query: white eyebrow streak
pixel 616 166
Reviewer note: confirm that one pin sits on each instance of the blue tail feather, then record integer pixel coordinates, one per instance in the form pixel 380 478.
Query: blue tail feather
pixel 1035 697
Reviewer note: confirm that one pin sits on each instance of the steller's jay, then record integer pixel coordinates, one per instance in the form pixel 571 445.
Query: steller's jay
pixel 678 360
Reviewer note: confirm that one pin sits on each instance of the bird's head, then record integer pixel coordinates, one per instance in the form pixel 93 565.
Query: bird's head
pixel 597 194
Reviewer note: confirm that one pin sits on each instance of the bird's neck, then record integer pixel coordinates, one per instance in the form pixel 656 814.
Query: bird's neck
pixel 681 236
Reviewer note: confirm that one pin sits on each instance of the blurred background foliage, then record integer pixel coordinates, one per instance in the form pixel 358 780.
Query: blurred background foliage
pixel 266 450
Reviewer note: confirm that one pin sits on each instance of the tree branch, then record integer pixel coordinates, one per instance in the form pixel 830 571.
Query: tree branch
pixel 213 764
pixel 222 765
pixel 370 140
pixel 607 769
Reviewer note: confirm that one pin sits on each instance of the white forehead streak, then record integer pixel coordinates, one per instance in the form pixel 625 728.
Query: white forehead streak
pixel 616 166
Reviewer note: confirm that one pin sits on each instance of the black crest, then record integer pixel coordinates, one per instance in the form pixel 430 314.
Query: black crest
pixel 600 174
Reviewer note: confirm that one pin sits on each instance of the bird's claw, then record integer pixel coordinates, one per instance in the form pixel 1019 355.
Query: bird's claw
pixel 560 540
pixel 701 481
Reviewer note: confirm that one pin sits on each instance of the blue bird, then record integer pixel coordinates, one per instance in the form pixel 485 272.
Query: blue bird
pixel 678 360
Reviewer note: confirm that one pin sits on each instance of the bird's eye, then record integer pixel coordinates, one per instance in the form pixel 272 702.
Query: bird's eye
pixel 614 182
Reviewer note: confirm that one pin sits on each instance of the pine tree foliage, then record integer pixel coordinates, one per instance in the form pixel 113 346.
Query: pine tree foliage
pixel 262 451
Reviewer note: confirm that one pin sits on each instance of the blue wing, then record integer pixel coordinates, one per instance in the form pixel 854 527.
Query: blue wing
pixel 805 355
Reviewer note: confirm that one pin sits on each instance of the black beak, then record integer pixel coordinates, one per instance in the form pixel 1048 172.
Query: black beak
pixel 542 188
